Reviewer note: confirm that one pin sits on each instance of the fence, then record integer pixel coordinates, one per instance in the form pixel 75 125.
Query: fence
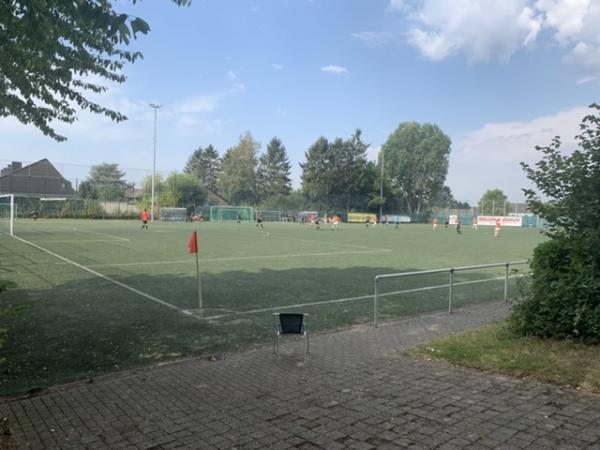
pixel 451 283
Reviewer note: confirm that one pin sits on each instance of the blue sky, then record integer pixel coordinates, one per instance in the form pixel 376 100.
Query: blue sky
pixel 497 77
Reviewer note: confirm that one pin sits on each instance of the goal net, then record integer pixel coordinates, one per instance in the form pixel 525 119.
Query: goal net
pixel 269 215
pixel 173 214
pixel 232 214
pixel 7 213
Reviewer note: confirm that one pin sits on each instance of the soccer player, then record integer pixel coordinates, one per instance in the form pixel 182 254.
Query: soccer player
pixel 436 222
pixel 34 215
pixel 475 223
pixel 336 221
pixel 458 231
pixel 259 220
pixel 145 218
pixel 497 228
pixel 239 217
pixel 447 222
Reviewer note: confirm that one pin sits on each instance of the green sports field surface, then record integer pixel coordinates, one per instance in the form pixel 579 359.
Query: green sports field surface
pixel 91 297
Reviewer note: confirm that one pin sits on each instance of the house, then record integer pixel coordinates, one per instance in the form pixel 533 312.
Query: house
pixel 37 179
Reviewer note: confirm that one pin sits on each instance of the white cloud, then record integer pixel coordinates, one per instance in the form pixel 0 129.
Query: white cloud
pixel 335 70
pixel 277 66
pixel 485 30
pixel 199 104
pixel 373 152
pixel 375 38
pixel 397 5
pixel 489 157
pixel 231 76
pixel 481 29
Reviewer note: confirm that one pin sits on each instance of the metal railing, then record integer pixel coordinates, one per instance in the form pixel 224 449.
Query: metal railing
pixel 451 271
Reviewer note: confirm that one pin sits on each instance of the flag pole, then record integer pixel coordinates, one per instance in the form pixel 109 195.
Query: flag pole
pixel 200 306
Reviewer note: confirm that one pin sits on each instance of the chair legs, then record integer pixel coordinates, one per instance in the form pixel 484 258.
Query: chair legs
pixel 276 345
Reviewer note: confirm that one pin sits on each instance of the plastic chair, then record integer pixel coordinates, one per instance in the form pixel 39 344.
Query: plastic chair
pixel 290 323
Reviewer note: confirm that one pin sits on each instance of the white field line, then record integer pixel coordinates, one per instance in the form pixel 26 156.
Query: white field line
pixel 67 241
pixel 98 233
pixel 104 277
pixel 321 243
pixel 362 297
pixel 234 258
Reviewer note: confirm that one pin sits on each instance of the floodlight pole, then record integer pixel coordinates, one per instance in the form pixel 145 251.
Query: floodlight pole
pixel 381 188
pixel 155 107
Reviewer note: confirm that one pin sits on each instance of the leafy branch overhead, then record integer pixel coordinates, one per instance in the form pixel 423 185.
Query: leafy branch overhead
pixel 52 50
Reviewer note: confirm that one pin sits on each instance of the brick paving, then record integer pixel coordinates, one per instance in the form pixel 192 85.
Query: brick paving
pixel 356 391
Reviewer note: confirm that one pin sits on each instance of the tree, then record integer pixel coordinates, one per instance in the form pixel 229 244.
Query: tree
pixel 105 182
pixel 416 163
pixel 205 164
pixel 51 51
pixel 237 181
pixel 564 300
pixel 273 173
pixel 337 174
pixel 494 202
pixel 190 190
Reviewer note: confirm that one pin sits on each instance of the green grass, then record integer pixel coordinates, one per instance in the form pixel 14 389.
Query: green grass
pixel 74 324
pixel 494 348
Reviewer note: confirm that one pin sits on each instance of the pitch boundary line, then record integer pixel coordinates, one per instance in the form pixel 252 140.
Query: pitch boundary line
pixel 107 278
pixel 234 258
pixel 351 299
pixel 320 243
pixel 76 241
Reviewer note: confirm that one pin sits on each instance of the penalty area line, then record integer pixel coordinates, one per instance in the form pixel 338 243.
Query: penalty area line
pixel 107 278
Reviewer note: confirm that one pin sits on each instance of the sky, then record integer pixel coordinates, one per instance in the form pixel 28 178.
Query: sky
pixel 497 77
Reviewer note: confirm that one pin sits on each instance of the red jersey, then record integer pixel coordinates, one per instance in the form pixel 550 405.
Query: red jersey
pixel 145 216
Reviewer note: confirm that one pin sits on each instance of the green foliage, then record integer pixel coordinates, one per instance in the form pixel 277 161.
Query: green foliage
pixel 237 182
pixel 494 202
pixel 273 173
pixel 189 190
pixel 294 201
pixel 205 164
pixel 50 52
pixel 564 300
pixel 416 163
pixel 105 182
pixel 337 174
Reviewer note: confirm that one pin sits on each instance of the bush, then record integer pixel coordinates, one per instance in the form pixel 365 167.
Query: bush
pixel 564 297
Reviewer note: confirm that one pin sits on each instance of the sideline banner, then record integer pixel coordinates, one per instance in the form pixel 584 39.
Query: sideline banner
pixel 361 217
pixel 398 219
pixel 505 221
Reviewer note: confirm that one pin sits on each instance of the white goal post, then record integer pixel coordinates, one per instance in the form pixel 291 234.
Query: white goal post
pixel 7 211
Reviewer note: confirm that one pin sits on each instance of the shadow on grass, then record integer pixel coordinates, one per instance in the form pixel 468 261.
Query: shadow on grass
pixel 80 329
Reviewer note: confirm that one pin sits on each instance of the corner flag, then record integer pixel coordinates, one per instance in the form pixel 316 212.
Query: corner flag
pixel 193 244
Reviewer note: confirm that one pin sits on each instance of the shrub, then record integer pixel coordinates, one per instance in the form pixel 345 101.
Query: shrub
pixel 564 300
pixel 564 297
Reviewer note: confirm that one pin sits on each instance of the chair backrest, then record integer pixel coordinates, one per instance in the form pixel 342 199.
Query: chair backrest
pixel 291 323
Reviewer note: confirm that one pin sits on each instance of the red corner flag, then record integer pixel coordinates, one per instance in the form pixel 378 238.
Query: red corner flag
pixel 193 244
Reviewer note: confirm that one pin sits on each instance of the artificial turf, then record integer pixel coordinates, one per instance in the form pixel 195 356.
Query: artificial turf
pixel 72 324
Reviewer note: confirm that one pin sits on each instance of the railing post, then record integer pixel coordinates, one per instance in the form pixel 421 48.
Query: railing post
pixel 450 290
pixel 375 304
pixel 506 282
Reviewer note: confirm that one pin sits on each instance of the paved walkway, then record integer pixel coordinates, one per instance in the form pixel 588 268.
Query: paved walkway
pixel 356 391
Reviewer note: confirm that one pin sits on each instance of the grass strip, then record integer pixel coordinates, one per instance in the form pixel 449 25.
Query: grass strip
pixel 494 348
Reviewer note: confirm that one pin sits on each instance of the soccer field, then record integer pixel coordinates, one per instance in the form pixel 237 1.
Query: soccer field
pixel 99 296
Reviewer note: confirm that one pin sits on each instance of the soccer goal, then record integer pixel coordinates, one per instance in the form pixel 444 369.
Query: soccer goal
pixel 173 214
pixel 269 215
pixel 232 214
pixel 7 213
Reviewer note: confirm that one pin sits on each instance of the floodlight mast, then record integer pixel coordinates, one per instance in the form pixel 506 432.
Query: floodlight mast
pixel 154 106
pixel 381 188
